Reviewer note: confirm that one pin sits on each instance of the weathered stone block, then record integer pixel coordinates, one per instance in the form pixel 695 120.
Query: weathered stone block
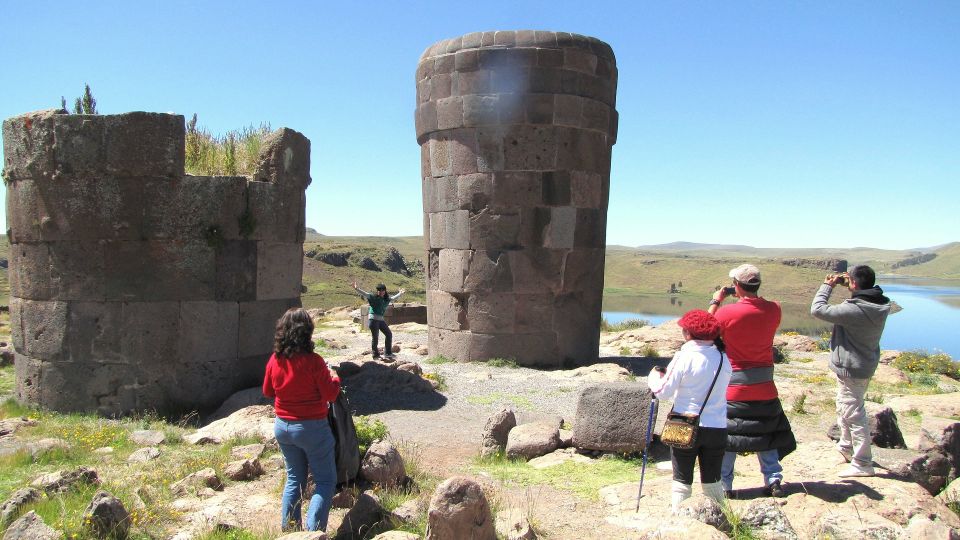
pixel 257 323
pixel 480 110
pixel 441 87
pixel 425 119
pixel 534 349
pixel 273 212
pixel 596 115
pixel 16 324
pixel 440 194
pixel 536 270
pixel 489 149
pixel 279 270
pixel 491 313
pixel 523 189
pixel 26 371
pixel 198 207
pixel 447 311
pixel 28 145
pixel 43 324
pixel 567 110
pixel 77 270
pixel 534 312
pixel 495 231
pixel 284 160
pixel 539 108
pixel 449 343
pixel 512 109
pixel 208 331
pixel 489 271
pixel 440 162
pixel 473 82
pixel 433 266
pixel 450 112
pixel 586 190
pixel 612 417
pixel 544 80
pixel 160 270
pixel 583 270
pixel 463 151
pixel 144 144
pixel 577 326
pixel 559 233
pixel 450 229
pixel 453 267
pixel 149 334
pixel 474 191
pixel 578 60
pixel 80 145
pixel 591 228
pixel 530 148
pixel 237 270
pixel 93 333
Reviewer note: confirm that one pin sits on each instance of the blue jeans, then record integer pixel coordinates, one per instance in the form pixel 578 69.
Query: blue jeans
pixel 769 466
pixel 303 443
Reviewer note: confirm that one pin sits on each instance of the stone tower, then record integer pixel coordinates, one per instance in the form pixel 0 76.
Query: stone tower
pixel 515 130
pixel 133 285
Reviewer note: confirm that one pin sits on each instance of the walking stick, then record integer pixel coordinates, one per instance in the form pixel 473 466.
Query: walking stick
pixel 646 447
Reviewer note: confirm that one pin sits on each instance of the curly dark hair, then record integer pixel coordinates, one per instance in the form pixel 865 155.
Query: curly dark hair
pixel 294 333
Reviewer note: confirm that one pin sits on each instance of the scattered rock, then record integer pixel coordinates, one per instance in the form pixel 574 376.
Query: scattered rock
pixel 887 374
pixel 375 378
pixel 683 528
pixel 612 417
pixel 495 432
pixel 856 526
pixel 304 535
pixel 106 516
pixel 9 426
pixel 16 502
pixel 243 470
pixel 951 493
pixel 705 510
pixel 887 357
pixel 193 483
pixel 395 348
pixel 767 521
pixel 459 509
pixel 343 499
pixel 532 440
pixel 147 438
pixel 367 512
pixel 558 457
pixel 512 524
pixel 884 429
pixel 248 451
pixel 30 526
pixel 104 450
pixel 923 528
pixel 411 367
pixel 383 464
pixel 396 535
pixel 144 454
pixel 6 355
pixel 942 405
pixel 799 343
pixel 61 481
pixel 253 421
pixel 605 372
pixel 199 438
pixel 408 512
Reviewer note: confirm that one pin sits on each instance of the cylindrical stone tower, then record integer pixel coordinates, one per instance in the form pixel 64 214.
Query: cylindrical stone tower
pixel 135 286
pixel 516 130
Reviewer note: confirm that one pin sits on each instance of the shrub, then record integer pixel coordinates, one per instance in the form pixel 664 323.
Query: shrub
pixel 798 404
pixel 823 342
pixel 648 351
pixel 627 324
pixel 625 351
pixel 234 153
pixel 437 378
pixel 503 362
pixel 441 359
pixel 920 361
pixel 369 430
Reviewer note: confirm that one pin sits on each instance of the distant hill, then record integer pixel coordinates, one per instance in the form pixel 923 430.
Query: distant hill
pixel 946 264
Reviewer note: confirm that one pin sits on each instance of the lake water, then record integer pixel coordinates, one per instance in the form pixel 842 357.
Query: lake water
pixel 930 318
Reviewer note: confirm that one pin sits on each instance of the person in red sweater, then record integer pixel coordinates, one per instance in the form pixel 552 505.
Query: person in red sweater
pixel 302 388
pixel 755 418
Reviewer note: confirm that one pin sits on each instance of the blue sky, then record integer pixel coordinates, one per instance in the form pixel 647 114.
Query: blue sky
pixel 772 124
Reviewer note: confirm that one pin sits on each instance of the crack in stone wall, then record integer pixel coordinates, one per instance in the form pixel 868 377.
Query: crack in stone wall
pixel 516 130
pixel 133 285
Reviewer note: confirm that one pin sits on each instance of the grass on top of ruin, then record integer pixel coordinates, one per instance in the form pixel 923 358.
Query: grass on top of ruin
pixel 144 488
pixel 231 154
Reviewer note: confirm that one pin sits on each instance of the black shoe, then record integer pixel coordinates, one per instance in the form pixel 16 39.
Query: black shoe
pixel 376 357
pixel 774 490
pixel 729 494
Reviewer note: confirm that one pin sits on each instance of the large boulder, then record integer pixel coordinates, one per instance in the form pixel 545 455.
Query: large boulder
pixel 147 437
pixel 532 440
pixel 856 526
pixel 705 510
pixel 30 526
pixel 144 455
pixel 459 509
pixel 612 417
pixel 923 528
pixel 767 521
pixel 365 514
pixel 383 464
pixel 495 432
pixel 239 400
pixel 682 528
pixel 12 506
pixel 196 482
pixel 253 421
pixel 884 428
pixel 106 516
pixel 61 481
pixel 243 470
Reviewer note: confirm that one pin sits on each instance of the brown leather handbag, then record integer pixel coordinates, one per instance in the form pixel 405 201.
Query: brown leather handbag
pixel 680 430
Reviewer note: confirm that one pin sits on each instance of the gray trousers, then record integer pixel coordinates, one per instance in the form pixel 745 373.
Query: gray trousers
pixel 852 420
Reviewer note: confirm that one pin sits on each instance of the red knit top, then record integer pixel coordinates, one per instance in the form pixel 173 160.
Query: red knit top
pixel 302 386
pixel 748 329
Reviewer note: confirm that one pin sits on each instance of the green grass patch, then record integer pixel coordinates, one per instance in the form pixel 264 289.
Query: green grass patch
pixel 627 324
pixel 625 351
pixel 503 363
pixel 740 530
pixel 234 153
pixel 649 351
pixel 435 360
pixel 437 378
pixel 583 479
pixel 235 534
pixel 7 381
pixel 369 429
pixel 921 362
pixel 499 397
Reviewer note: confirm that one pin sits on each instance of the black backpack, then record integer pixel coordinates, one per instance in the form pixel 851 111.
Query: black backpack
pixel 347 451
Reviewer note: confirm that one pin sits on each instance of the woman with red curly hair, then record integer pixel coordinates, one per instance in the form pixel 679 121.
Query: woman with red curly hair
pixel 698 372
pixel 302 387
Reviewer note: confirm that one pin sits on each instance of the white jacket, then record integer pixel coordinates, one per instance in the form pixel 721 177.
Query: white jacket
pixel 688 378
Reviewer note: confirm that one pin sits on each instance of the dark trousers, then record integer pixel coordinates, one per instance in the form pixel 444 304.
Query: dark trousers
pixel 711 445
pixel 375 328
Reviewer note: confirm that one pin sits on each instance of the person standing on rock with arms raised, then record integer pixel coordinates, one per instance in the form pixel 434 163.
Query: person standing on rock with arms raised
pixel 854 356
pixel 302 387
pixel 378 307
pixel 755 418
pixel 696 380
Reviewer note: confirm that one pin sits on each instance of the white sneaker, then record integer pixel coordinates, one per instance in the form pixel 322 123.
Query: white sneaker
pixel 847 454
pixel 857 471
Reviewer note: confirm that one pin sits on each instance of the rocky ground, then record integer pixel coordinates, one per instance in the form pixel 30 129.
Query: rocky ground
pixel 437 427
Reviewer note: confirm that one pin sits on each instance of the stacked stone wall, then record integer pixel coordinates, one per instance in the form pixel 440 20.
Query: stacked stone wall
pixel 516 130
pixel 137 287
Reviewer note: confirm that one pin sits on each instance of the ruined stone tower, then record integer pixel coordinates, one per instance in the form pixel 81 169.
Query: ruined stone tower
pixel 516 130
pixel 133 285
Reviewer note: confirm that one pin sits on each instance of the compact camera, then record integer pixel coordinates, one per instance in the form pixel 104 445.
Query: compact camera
pixel 843 280
pixel 729 291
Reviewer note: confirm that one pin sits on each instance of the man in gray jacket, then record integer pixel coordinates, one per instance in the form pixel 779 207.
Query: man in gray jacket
pixel 854 354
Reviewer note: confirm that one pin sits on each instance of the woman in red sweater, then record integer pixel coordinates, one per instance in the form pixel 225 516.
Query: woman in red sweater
pixel 302 387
